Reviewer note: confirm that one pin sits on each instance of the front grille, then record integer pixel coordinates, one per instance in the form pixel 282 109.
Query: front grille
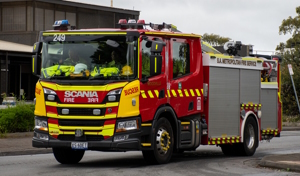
pixel 87 138
pixel 63 122
pixel 81 111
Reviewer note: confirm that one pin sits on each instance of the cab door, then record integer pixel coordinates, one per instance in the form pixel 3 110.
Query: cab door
pixel 153 88
pixel 185 82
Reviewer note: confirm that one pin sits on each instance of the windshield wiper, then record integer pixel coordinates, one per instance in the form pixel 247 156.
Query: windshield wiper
pixel 102 77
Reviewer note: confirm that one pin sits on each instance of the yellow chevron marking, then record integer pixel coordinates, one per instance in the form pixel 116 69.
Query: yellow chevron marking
pixel 143 94
pixel 192 92
pixel 198 93
pixel 180 93
pixel 169 95
pixel 202 91
pixel 156 92
pixel 150 94
pixel 186 93
pixel 174 93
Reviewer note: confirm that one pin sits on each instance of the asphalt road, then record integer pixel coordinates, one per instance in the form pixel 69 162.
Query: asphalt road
pixel 206 160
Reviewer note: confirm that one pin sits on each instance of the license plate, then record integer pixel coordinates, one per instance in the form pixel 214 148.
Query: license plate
pixel 79 145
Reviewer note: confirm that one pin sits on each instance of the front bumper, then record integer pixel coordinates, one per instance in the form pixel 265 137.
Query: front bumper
pixel 133 142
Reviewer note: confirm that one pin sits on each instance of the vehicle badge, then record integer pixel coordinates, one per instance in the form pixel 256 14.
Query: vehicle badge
pixel 78 132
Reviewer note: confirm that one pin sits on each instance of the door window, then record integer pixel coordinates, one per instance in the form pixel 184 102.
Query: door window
pixel 181 57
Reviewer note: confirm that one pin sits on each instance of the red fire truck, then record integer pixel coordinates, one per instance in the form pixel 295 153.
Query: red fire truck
pixel 152 88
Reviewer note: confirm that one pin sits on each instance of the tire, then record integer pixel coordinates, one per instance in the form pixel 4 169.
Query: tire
pixel 67 156
pixel 248 147
pixel 164 143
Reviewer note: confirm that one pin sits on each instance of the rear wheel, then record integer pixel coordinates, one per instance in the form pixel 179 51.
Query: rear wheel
pixel 248 147
pixel 67 156
pixel 164 141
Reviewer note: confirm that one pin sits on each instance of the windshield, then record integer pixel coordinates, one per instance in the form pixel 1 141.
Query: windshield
pixel 89 58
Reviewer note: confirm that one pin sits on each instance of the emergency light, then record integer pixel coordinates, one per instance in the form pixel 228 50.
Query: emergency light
pixel 61 25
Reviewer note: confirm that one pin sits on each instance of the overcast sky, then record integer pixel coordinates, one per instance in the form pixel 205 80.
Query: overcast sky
pixel 253 22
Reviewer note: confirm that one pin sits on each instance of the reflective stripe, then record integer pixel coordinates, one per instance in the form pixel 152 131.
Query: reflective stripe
pixel 169 93
pixel 156 92
pixel 186 93
pixel 192 92
pixel 143 94
pixel 180 93
pixel 174 93
pixel 198 93
pixel 150 94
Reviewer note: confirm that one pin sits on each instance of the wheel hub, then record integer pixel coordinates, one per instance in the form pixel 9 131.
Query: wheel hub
pixel 163 141
pixel 251 136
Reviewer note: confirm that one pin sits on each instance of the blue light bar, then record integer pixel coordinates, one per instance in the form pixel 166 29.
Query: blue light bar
pixel 61 23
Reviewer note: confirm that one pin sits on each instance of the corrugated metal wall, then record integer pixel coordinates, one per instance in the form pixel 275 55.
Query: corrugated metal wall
pixel 228 88
pixel 224 105
pixel 269 108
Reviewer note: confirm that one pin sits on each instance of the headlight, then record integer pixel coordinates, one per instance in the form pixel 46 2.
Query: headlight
pixel 41 124
pixel 112 95
pixel 49 91
pixel 115 92
pixel 127 125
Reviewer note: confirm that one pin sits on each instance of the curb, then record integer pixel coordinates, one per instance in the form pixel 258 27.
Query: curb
pixel 290 128
pixel 278 164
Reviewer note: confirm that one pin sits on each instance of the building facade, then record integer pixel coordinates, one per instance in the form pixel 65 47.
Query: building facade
pixel 22 20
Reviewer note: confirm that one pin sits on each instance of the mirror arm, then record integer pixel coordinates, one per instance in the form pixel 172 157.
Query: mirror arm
pixel 144 80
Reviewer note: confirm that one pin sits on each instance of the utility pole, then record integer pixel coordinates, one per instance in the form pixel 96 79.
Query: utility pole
pixel 111 3
pixel 291 74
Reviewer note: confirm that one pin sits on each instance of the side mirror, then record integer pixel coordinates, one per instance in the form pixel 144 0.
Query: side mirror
pixel 155 64
pixel 36 65
pixel 157 47
pixel 37 47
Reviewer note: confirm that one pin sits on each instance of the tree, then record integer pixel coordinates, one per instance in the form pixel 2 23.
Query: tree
pixel 215 40
pixel 290 52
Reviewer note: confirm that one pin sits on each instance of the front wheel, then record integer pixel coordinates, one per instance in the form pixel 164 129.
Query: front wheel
pixel 164 142
pixel 67 156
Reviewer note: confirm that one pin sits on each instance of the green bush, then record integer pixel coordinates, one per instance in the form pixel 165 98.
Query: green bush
pixel 19 118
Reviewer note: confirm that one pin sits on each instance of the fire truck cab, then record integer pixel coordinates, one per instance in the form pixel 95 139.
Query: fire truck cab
pixel 151 88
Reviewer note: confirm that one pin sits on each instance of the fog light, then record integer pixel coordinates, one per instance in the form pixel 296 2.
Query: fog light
pixel 41 136
pixel 120 138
